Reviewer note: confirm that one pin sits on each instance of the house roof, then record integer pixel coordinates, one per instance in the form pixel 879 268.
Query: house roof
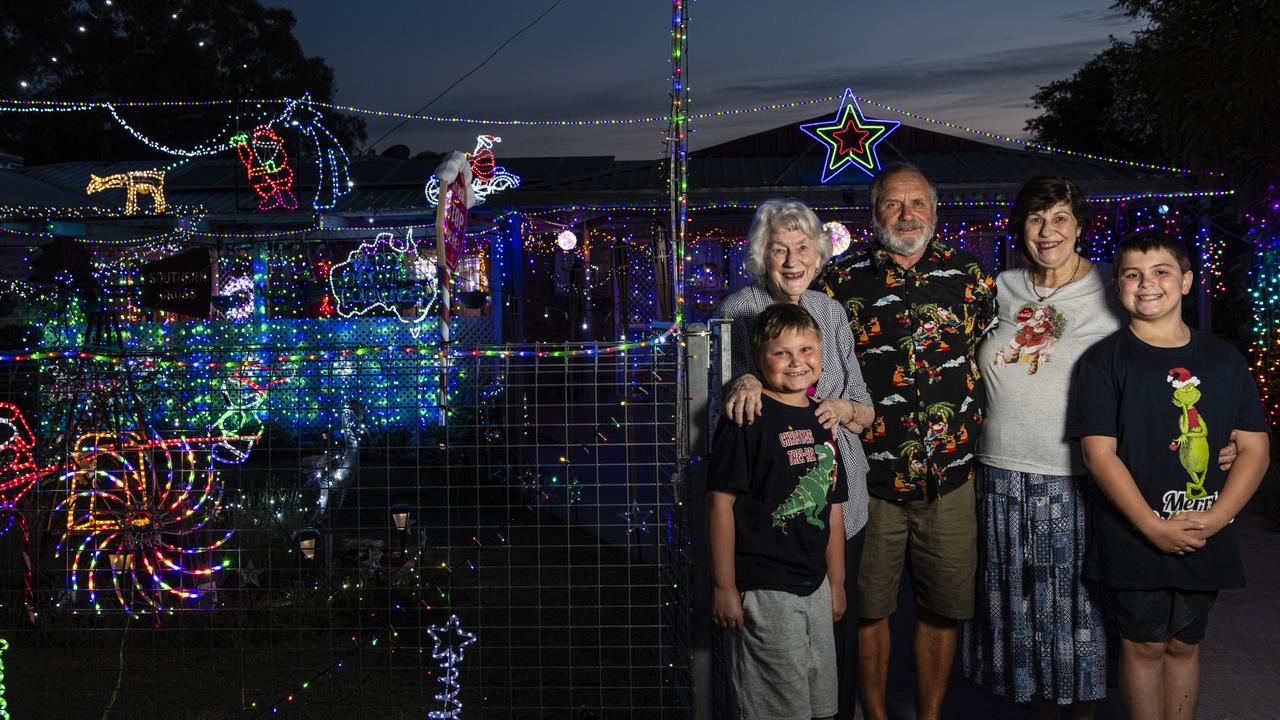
pixel 778 161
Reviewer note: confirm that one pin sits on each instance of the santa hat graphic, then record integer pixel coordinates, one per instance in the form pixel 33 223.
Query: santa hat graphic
pixel 1181 376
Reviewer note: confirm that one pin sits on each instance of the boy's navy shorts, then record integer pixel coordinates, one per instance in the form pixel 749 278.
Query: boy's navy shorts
pixel 1164 614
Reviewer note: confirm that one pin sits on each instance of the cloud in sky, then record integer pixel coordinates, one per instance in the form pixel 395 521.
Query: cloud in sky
pixel 1101 17
pixel 992 69
pixel 972 63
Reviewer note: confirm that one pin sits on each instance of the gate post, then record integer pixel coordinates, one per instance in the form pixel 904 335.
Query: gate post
pixel 697 443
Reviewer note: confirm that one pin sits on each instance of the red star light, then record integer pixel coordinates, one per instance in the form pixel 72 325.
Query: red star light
pixel 850 138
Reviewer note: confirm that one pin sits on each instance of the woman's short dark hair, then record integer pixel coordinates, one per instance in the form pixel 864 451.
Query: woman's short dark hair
pixel 1042 193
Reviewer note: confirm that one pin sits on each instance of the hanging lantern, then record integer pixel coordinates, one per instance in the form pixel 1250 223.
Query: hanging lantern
pixel 840 237
pixel 567 240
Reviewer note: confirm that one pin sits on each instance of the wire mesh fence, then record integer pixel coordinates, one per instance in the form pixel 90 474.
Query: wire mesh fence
pixel 276 531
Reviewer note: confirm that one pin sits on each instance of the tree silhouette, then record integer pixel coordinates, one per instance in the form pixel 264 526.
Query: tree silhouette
pixel 1196 87
pixel 148 50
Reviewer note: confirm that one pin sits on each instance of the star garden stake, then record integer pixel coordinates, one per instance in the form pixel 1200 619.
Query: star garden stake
pixel 449 655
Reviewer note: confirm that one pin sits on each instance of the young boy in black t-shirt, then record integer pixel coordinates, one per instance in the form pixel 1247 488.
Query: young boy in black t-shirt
pixel 1148 404
pixel 777 532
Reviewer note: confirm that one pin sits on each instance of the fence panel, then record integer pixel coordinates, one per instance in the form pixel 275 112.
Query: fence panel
pixel 279 531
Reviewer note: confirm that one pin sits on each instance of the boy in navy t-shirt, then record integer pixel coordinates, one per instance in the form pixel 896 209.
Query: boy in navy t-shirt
pixel 1148 404
pixel 777 533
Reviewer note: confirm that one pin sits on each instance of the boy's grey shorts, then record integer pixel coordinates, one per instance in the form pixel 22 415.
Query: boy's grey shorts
pixel 783 663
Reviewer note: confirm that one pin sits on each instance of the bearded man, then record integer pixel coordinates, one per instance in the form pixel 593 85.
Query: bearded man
pixel 917 309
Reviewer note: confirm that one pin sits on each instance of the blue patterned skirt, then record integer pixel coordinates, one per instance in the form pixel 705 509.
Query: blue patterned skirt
pixel 1037 631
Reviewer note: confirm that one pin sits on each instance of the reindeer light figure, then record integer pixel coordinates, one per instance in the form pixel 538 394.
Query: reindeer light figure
pixel 134 182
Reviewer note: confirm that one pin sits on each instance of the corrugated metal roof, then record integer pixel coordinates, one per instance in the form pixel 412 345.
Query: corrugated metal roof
pixel 18 188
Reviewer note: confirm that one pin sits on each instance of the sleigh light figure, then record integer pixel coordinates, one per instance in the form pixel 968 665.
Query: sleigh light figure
pixel 487 177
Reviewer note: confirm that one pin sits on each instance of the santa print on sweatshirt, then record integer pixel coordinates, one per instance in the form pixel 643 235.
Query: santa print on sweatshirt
pixel 784 470
pixel 1169 410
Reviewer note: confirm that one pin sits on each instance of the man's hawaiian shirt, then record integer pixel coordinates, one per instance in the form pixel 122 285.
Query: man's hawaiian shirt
pixel 916 331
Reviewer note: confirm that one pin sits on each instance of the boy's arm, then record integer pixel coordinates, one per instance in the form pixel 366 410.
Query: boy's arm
pixel 835 561
pixel 726 606
pixel 1176 536
pixel 1253 456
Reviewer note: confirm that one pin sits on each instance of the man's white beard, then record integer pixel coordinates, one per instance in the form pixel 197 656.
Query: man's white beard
pixel 902 246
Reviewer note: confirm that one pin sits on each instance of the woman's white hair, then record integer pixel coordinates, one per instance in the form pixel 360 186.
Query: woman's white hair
pixel 780 215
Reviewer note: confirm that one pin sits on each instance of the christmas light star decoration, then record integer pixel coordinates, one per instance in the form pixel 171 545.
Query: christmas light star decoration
pixel 637 519
pixel 373 561
pixel 850 138
pixel 249 575
pixel 450 642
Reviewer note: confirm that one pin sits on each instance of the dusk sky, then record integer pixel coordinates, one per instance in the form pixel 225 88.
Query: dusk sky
pixel 975 63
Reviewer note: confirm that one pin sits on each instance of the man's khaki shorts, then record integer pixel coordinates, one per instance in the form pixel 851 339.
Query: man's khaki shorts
pixel 941 537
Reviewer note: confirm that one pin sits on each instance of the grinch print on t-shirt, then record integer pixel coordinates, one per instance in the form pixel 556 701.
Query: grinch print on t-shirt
pixel 1192 443
pixel 809 498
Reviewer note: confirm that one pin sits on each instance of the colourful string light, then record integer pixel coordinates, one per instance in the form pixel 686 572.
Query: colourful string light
pixel 4 703
pixel 19 104
pixel 498 351
pixel 1264 291
pixel 840 237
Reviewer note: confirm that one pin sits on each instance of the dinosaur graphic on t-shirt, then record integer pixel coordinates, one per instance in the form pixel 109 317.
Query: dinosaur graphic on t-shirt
pixel 810 495
pixel 1192 444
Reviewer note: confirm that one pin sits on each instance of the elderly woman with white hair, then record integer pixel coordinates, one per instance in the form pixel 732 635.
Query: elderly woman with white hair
pixel 786 247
